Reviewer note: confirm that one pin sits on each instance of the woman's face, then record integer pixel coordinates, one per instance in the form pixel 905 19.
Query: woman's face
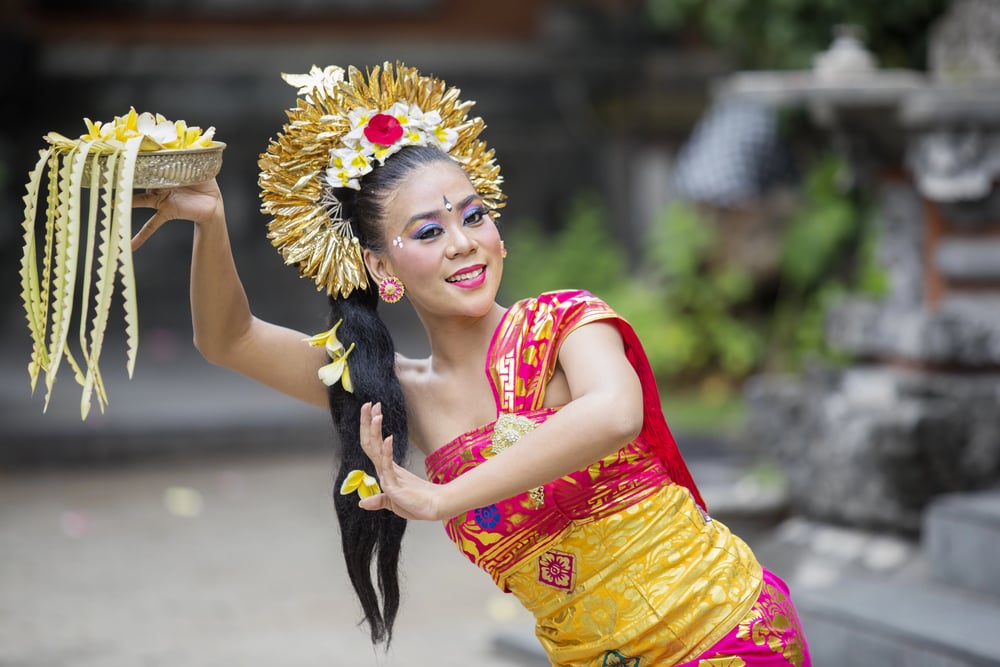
pixel 441 243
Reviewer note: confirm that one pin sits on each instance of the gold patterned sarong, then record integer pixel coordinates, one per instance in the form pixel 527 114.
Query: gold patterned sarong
pixel 619 563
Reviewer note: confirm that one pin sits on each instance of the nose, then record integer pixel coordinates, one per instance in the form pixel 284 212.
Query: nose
pixel 461 243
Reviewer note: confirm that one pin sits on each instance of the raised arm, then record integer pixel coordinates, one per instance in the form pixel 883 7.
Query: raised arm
pixel 605 412
pixel 225 330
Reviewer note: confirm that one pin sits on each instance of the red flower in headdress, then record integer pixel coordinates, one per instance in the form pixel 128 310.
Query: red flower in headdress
pixel 383 129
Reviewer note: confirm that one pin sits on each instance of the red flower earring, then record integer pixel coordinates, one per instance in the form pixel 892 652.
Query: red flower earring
pixel 503 249
pixel 391 290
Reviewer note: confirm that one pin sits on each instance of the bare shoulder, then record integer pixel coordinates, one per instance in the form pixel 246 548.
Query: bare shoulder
pixel 411 372
pixel 414 377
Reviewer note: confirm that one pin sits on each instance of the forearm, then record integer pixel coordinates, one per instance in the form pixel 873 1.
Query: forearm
pixel 220 312
pixel 584 431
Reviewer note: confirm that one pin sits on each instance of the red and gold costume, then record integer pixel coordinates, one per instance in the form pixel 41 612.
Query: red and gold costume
pixel 619 562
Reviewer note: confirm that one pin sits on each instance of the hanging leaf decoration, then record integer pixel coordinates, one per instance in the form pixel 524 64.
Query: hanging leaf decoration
pixel 133 151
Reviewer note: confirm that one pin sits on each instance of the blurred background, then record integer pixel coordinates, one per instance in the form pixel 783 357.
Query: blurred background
pixel 794 202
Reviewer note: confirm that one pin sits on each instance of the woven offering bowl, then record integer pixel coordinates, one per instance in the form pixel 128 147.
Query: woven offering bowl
pixel 171 168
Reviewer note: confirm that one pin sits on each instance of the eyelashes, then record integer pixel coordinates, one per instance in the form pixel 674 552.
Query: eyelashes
pixel 472 215
pixel 428 231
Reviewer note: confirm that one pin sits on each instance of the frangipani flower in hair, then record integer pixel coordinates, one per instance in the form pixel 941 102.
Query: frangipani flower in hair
pixel 337 370
pixel 376 135
pixel 362 482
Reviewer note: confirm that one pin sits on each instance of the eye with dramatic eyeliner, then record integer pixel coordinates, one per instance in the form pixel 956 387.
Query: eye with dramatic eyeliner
pixel 427 231
pixel 475 215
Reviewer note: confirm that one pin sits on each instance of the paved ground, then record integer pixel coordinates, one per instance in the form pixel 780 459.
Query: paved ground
pixel 191 525
pixel 225 561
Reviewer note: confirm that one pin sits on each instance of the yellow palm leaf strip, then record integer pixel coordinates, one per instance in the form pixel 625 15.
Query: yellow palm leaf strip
pixel 123 223
pixel 51 213
pixel 107 262
pixel 93 210
pixel 108 178
pixel 73 252
pixel 67 239
pixel 30 295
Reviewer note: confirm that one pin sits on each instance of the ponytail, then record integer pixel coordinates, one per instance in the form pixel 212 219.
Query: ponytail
pixel 368 536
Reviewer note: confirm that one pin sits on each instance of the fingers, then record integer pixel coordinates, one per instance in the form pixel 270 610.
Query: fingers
pixel 379 451
pixel 147 230
pixel 370 432
pixel 372 442
pixel 377 502
pixel 387 470
pixel 149 199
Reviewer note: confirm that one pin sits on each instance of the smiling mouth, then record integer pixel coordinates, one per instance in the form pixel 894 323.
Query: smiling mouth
pixel 467 275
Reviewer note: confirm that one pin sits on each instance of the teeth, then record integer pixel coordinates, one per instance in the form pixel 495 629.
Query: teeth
pixel 465 276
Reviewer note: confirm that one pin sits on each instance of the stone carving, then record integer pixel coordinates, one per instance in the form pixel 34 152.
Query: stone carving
pixel 871 445
pixel 955 164
pixel 846 58
pixel 963 45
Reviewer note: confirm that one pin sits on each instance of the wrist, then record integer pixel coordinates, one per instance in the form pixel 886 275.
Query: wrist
pixel 214 219
pixel 446 505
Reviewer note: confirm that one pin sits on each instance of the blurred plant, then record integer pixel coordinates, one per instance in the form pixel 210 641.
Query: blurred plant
pixel 828 250
pixel 701 298
pixel 788 33
pixel 703 321
pixel 581 255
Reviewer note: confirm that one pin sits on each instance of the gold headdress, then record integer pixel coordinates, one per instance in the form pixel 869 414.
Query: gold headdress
pixel 335 135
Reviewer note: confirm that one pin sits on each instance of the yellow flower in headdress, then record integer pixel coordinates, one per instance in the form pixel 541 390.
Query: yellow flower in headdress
pixel 335 371
pixel 362 482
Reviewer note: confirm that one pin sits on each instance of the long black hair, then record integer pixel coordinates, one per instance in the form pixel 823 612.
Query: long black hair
pixel 367 536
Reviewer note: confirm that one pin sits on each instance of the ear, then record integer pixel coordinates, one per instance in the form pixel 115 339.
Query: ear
pixel 378 265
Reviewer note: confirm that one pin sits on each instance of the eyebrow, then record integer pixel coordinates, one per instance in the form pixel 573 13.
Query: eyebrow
pixel 433 214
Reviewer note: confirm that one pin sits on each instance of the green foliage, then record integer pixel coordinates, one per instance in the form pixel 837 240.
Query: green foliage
pixel 788 33
pixel 821 229
pixel 703 320
pixel 828 250
pixel 582 255
pixel 699 298
pixel 703 412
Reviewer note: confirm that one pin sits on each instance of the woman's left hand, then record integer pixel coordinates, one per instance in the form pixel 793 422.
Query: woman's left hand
pixel 403 493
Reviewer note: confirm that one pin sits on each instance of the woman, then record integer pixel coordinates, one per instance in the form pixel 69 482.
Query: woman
pixel 548 457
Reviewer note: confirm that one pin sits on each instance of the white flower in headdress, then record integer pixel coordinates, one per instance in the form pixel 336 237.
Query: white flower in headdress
pixel 359 121
pixel 347 165
pixel 401 112
pixel 445 137
pixel 410 119
pixel 325 79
